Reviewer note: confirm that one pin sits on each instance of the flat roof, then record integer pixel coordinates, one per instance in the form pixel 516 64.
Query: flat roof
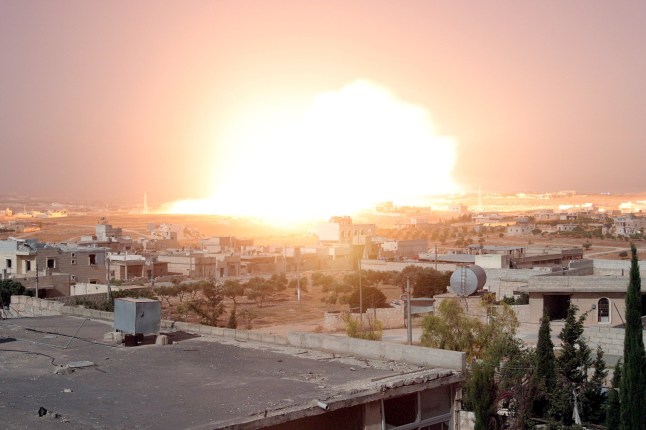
pixel 196 382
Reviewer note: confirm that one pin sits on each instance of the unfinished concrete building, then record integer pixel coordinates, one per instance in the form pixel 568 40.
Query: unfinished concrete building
pixel 228 379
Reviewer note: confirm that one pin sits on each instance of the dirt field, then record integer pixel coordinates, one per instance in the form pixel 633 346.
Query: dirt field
pixel 284 313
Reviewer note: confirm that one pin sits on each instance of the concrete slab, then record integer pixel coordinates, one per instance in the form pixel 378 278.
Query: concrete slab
pixel 196 382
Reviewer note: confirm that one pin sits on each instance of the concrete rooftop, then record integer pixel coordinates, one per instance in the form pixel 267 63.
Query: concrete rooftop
pixel 197 382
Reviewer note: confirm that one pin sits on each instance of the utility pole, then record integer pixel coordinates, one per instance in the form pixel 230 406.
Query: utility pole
pixel 108 276
pixel 360 300
pixel 409 326
pixel 298 272
pixel 36 276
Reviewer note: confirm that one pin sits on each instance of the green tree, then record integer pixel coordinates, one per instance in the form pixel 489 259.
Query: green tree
pixel 449 328
pixel 572 365
pixel 165 294
pixel 593 398
pixel 279 281
pixel 425 282
pixel 574 360
pixel 545 368
pixel 373 297
pixel 232 288
pixel 372 328
pixel 613 410
pixel 259 289
pixel 518 384
pixel 633 384
pixel 209 307
pixel 8 288
pixel 481 393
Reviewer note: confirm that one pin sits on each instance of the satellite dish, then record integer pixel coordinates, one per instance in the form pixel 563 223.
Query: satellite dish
pixel 467 280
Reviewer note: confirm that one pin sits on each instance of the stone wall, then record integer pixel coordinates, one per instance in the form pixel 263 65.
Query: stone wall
pixel 611 339
pixel 24 306
pixel 411 354
pixel 398 266
pixel 72 300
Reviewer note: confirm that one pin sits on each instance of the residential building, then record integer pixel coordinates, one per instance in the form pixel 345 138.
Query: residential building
pixel 51 268
pixel 340 229
pixel 107 236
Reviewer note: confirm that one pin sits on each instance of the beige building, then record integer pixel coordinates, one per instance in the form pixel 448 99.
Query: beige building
pixel 342 230
pixel 603 297
pixel 51 268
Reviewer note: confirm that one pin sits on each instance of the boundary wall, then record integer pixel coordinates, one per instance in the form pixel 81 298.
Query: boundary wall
pixel 24 306
pixel 611 339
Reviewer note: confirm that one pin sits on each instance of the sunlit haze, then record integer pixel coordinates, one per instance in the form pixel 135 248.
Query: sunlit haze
pixel 291 108
pixel 350 149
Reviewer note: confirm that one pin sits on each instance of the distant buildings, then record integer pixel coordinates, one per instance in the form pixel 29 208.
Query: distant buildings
pixel 340 229
pixel 51 268
pixel 108 237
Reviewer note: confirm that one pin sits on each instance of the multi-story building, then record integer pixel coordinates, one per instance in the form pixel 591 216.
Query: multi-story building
pixel 51 268
pixel 340 229
pixel 107 236
pixel 629 225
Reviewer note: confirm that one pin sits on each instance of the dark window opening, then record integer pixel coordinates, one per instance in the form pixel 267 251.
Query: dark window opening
pixel 9 263
pixel 400 410
pixel 603 310
pixel 556 306
pixel 51 263
pixel 28 266
pixel 93 281
pixel 92 259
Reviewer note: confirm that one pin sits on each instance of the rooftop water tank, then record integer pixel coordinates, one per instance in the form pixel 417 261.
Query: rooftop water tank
pixel 137 316
pixel 467 280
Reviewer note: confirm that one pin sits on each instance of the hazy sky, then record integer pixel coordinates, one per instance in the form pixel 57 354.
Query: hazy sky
pixel 101 98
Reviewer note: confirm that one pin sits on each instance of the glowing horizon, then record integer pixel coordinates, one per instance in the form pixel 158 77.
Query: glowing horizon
pixel 349 150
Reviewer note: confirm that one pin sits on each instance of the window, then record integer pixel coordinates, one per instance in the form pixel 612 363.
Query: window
pixel 400 410
pixel 93 281
pixel 426 410
pixel 603 310
pixel 8 263
pixel 51 263
pixel 92 259
pixel 435 402
pixel 27 265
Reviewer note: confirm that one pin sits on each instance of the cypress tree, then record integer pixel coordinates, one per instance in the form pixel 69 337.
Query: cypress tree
pixel 613 413
pixel 545 368
pixel 572 365
pixel 632 376
pixel 481 392
pixel 593 399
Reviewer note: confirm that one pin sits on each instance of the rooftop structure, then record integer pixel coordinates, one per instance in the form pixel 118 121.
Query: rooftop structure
pixel 211 382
